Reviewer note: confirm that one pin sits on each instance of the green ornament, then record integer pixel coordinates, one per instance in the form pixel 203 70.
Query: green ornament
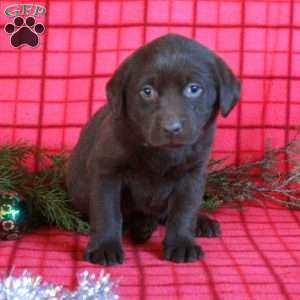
pixel 14 215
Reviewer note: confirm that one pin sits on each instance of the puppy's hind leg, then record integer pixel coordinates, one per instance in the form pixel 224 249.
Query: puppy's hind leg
pixel 207 227
pixel 79 197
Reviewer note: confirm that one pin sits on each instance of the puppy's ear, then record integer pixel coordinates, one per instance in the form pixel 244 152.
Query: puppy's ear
pixel 115 89
pixel 228 87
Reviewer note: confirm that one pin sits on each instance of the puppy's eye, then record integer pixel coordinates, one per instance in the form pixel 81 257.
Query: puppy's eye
pixel 193 90
pixel 148 92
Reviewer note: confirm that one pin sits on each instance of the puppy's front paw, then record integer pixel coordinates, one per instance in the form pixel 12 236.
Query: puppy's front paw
pixel 181 251
pixel 207 227
pixel 106 253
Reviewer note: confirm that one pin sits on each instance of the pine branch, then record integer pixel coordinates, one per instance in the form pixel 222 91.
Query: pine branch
pixel 13 173
pixel 45 189
pixel 50 196
pixel 260 180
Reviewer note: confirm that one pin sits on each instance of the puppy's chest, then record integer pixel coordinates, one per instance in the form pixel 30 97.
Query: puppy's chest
pixel 150 182
pixel 148 191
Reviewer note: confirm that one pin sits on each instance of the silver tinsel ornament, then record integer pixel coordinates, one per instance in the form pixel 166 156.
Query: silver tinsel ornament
pixel 26 286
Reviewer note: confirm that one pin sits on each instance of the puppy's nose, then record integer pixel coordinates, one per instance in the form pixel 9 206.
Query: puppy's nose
pixel 173 128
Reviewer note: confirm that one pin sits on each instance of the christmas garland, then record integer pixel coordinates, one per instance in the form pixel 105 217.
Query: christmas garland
pixel 254 180
pixel 29 287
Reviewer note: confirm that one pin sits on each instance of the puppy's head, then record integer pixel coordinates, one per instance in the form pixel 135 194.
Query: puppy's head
pixel 169 90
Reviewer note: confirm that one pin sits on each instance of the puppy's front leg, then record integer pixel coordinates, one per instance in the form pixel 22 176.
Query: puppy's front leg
pixel 179 244
pixel 105 220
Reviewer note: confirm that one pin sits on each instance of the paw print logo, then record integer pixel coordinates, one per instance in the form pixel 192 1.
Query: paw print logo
pixel 24 32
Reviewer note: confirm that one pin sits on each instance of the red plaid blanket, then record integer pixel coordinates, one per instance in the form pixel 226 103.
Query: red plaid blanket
pixel 47 93
pixel 257 257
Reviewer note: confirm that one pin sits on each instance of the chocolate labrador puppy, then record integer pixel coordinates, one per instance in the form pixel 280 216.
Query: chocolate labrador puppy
pixel 142 159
